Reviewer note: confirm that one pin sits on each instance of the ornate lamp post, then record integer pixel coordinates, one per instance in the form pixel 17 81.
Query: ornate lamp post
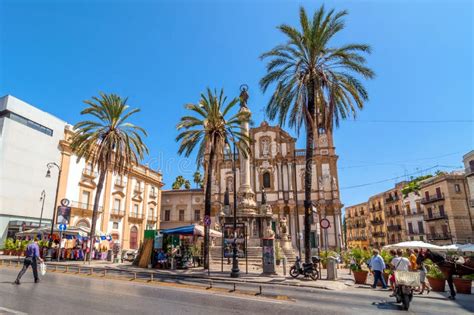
pixel 235 272
pixel 42 198
pixel 50 165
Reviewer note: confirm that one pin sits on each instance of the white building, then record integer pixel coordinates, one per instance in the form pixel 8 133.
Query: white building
pixel 415 225
pixel 29 140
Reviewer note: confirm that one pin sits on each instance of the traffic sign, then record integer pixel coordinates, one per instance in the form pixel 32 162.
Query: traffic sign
pixel 325 224
pixel 207 220
pixel 62 227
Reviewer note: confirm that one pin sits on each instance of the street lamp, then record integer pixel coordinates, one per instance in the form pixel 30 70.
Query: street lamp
pixel 50 165
pixel 235 272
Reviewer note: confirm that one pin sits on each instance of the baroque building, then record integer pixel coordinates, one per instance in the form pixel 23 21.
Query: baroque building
pixel 357 220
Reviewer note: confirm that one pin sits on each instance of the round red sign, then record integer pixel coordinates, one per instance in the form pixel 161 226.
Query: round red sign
pixel 325 224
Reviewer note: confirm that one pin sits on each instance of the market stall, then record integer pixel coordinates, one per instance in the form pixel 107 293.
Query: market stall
pixel 182 246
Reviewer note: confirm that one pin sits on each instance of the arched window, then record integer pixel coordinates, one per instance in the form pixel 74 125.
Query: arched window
pixel 83 223
pixel 133 237
pixel 266 180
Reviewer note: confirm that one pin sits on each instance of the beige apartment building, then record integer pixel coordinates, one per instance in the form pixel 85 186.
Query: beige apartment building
pixel 394 214
pixel 128 204
pixel 181 207
pixel 357 218
pixel 377 226
pixel 447 213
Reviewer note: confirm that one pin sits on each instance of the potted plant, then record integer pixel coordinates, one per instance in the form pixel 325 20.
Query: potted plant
pixel 325 254
pixel 9 246
pixel 387 258
pixel 359 257
pixel 463 285
pixel 436 278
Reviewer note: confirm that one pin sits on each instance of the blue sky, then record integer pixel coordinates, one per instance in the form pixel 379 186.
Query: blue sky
pixel 162 54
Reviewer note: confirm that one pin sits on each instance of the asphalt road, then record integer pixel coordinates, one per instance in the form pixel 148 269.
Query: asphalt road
pixel 80 294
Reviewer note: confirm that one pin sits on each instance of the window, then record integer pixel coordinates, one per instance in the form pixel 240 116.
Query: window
pixel 167 215
pixel 397 210
pixel 117 202
pixel 115 225
pixel 135 208
pixel 421 229
pixel 457 188
pixel 445 229
pixel 85 199
pixel 151 213
pixel 197 215
pixel 181 215
pixel 441 210
pixel 430 213
pixel 266 180
pixel 438 192
pixel 427 195
pixel 27 122
pixel 418 207
pixel 410 228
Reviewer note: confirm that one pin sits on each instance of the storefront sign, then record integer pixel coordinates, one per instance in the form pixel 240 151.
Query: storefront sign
pixel 239 240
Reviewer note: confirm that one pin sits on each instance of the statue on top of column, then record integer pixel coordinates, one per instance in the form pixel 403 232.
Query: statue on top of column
pixel 244 96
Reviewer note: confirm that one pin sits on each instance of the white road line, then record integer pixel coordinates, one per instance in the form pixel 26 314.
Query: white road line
pixel 4 310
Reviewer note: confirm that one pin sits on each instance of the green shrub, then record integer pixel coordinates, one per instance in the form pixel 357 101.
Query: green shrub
pixel 10 244
pixel 434 271
pixel 468 277
pixel 360 257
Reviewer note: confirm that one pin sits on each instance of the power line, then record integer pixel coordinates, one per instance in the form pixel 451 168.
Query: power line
pixel 455 121
pixel 403 161
pixel 395 178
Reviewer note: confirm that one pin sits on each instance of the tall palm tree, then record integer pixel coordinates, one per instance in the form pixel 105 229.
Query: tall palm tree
pixel 316 84
pixel 109 142
pixel 211 126
pixel 197 179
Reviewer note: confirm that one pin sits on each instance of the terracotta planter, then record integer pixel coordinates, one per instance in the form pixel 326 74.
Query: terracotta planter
pixel 438 285
pixel 462 285
pixel 360 277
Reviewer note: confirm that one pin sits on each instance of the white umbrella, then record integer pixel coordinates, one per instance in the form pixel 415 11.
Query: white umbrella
pixel 200 231
pixel 451 247
pixel 413 244
pixel 467 248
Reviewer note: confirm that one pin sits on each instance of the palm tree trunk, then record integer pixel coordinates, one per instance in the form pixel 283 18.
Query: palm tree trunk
pixel 207 205
pixel 308 204
pixel 100 185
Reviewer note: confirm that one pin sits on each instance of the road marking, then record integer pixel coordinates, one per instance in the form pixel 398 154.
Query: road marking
pixel 4 310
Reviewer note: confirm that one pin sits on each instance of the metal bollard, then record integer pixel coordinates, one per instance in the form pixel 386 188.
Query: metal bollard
pixel 78 269
pixel 91 271
pixel 151 277
pixel 17 263
pixel 259 290
pixel 210 285
pixel 105 272
pixel 67 269
pixel 284 266
pixel 55 268
pixel 233 289
pixel 134 276
pixel 10 263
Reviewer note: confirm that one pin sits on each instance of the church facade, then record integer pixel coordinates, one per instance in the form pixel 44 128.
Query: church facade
pixel 276 175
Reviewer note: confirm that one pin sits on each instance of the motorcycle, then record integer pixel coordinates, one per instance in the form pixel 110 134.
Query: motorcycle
pixel 306 269
pixel 405 284
pixel 404 294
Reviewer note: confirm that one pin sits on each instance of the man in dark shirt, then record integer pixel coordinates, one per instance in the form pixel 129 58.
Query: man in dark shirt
pixel 32 256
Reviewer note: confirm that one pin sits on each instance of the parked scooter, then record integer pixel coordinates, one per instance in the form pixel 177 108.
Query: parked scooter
pixel 306 269
pixel 405 284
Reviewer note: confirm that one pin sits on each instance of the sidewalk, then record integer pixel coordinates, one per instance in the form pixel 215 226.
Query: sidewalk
pixel 254 276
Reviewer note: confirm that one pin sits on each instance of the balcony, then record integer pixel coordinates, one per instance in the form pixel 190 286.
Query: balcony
pixel 377 222
pixel 375 209
pixel 153 194
pixel 378 234
pixel 392 213
pixel 120 182
pixel 117 212
pixel 469 171
pixel 83 209
pixel 300 152
pixel 135 216
pixel 394 228
pixel 392 199
pixel 438 236
pixel 413 214
pixel 435 216
pixel 87 172
pixel 415 233
pixel 138 189
pixel 432 198
pixel 152 218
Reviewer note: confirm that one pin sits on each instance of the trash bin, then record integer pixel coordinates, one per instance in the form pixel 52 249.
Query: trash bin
pixel 332 268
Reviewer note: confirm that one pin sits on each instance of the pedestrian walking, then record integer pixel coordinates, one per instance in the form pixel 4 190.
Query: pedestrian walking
pixel 377 265
pixel 424 283
pixel 399 263
pixel 31 259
